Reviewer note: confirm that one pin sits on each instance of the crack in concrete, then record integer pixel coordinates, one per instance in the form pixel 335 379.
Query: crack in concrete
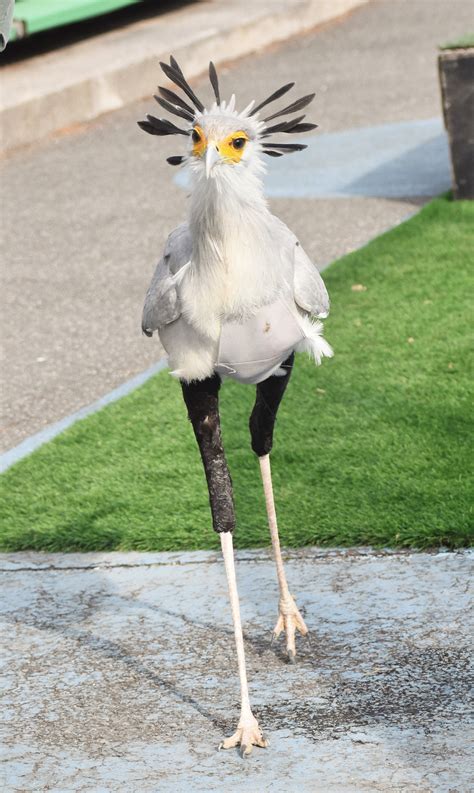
pixel 302 554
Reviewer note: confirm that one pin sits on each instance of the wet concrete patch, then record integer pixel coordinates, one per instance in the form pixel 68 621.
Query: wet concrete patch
pixel 123 678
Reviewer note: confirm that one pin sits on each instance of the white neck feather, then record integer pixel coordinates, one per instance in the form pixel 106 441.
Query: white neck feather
pixel 234 269
pixel 232 196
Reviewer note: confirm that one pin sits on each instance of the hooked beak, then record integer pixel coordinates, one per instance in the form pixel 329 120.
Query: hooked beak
pixel 212 156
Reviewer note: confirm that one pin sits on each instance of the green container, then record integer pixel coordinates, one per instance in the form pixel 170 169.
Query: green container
pixel 32 16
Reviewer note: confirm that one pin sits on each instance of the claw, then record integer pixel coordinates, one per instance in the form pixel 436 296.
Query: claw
pixel 247 735
pixel 290 621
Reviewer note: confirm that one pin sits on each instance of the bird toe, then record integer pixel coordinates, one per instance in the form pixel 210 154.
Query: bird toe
pixel 290 621
pixel 246 736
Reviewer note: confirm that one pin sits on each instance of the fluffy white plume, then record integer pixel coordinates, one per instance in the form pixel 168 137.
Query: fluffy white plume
pixel 314 343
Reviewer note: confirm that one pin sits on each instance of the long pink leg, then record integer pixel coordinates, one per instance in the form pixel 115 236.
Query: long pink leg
pixel 248 732
pixel 289 618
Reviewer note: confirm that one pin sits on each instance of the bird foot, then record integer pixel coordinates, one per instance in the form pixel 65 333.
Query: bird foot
pixel 247 735
pixel 289 620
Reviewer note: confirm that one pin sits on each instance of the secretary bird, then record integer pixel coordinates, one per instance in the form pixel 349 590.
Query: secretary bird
pixel 234 295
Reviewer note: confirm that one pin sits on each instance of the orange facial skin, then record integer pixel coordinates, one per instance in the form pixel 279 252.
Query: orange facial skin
pixel 230 148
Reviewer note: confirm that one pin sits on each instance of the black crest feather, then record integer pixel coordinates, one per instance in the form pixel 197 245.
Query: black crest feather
pixel 301 128
pixel 178 111
pixel 276 95
pixel 175 160
pixel 214 82
pixel 286 147
pixel 282 126
pixel 170 96
pixel 293 108
pixel 178 79
pixel 173 103
pixel 161 126
pixel 175 65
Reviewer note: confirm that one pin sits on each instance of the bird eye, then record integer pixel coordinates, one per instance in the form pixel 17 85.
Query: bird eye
pixel 238 143
pixel 195 136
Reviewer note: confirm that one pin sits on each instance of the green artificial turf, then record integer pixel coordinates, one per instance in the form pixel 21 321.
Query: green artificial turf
pixel 372 447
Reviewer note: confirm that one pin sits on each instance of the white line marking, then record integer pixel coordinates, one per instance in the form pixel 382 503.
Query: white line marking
pixel 35 441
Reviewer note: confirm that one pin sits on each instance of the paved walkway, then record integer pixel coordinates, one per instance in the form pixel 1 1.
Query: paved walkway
pixel 70 76
pixel 120 674
pixel 88 211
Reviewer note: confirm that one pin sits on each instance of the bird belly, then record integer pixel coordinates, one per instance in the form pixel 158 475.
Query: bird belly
pixel 253 349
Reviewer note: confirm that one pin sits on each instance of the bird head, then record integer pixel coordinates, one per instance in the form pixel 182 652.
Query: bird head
pixel 222 141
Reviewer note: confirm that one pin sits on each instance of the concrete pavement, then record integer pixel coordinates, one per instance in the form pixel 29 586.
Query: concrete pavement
pixel 88 211
pixel 119 673
pixel 78 82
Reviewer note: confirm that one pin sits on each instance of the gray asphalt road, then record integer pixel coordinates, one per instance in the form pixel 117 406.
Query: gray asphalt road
pixel 120 674
pixel 85 214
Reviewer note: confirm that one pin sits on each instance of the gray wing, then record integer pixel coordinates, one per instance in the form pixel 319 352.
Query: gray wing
pixel 162 304
pixel 310 292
